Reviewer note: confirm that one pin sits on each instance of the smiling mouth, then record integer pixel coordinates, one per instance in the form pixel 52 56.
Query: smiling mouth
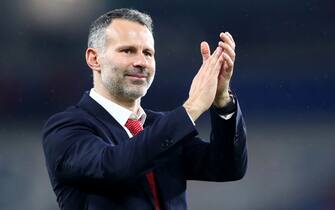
pixel 136 76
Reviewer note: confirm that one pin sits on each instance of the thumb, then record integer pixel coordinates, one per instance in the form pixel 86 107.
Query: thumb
pixel 205 50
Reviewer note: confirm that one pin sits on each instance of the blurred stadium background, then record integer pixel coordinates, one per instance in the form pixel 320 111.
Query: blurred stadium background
pixel 284 77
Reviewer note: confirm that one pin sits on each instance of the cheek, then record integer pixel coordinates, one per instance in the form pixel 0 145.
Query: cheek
pixel 112 68
pixel 152 72
pixel 153 67
pixel 112 60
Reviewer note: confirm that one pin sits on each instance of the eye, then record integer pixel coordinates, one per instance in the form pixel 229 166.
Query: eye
pixel 127 51
pixel 148 53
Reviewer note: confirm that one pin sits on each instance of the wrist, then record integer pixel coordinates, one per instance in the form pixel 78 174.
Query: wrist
pixel 223 100
pixel 228 108
pixel 192 111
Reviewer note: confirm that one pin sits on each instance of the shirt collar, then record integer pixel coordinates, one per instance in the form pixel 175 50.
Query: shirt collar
pixel 120 113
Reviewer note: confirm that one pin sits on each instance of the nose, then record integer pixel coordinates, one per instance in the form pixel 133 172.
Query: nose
pixel 140 61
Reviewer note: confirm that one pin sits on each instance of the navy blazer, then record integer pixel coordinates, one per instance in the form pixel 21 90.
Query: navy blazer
pixel 93 165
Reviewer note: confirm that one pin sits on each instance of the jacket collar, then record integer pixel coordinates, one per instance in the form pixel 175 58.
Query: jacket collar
pixel 100 114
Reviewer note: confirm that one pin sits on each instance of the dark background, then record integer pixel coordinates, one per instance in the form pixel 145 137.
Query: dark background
pixel 284 78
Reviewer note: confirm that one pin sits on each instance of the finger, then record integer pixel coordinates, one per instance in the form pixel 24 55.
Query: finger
pixel 231 37
pixel 216 55
pixel 227 59
pixel 207 68
pixel 225 38
pixel 205 50
pixel 227 48
pixel 218 64
pixel 209 65
pixel 207 58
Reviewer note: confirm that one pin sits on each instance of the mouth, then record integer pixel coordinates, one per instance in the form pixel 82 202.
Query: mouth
pixel 137 76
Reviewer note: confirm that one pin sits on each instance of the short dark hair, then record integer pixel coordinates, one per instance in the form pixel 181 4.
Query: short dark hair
pixel 97 31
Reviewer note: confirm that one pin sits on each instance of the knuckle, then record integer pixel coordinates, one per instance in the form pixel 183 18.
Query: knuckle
pixel 233 55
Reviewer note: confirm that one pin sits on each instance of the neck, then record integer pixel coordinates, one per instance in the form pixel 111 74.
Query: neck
pixel 130 104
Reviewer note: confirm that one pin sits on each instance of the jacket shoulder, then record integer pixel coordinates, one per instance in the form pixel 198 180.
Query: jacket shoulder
pixel 72 115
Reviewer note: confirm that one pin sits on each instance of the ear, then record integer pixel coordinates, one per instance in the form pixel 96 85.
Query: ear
pixel 92 59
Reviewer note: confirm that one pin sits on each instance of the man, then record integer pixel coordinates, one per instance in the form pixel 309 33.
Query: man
pixel 99 156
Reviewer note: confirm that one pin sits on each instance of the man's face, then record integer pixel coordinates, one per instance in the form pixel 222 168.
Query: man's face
pixel 127 62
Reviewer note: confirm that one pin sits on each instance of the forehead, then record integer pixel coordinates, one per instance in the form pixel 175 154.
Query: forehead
pixel 127 32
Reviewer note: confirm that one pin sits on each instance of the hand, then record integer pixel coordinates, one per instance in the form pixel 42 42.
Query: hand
pixel 228 46
pixel 204 85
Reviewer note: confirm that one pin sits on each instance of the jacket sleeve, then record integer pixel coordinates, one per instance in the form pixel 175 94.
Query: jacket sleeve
pixel 224 158
pixel 74 152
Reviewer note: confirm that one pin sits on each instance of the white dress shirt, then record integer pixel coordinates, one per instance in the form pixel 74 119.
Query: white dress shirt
pixel 119 113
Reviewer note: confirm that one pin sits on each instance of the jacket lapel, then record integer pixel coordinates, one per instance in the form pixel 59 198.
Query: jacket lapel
pixel 100 114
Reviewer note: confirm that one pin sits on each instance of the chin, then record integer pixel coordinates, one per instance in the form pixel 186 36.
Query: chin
pixel 135 94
